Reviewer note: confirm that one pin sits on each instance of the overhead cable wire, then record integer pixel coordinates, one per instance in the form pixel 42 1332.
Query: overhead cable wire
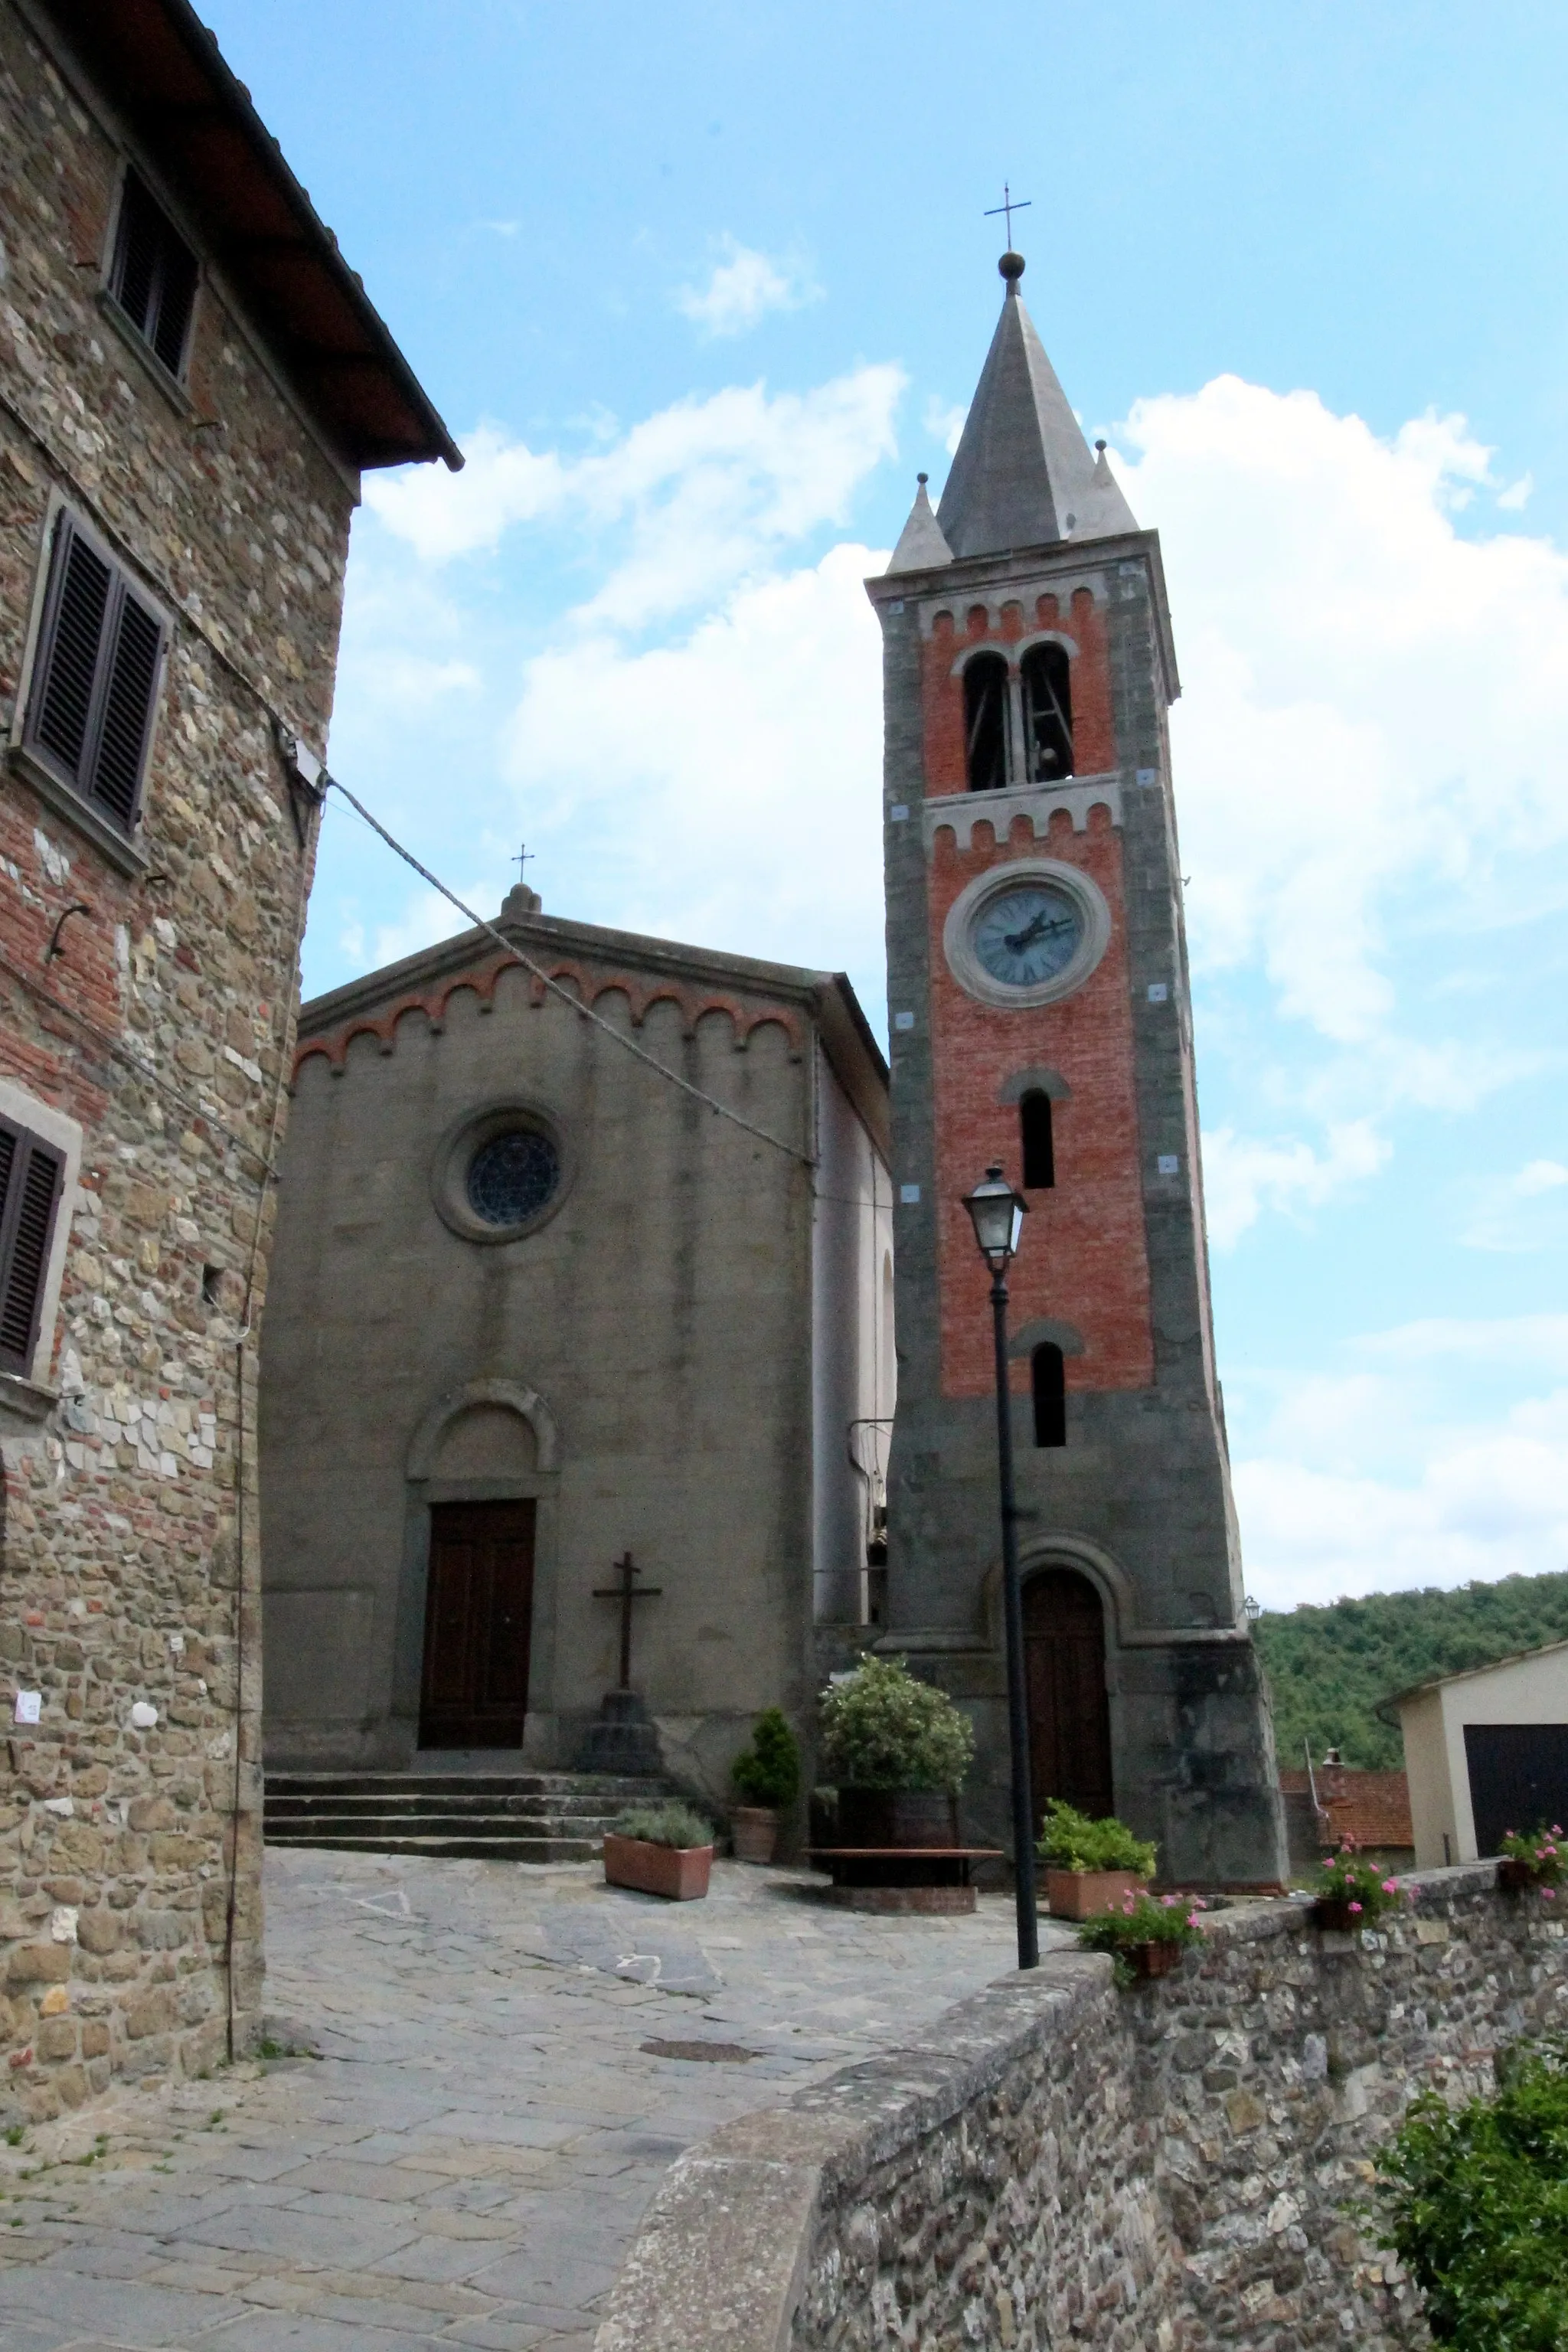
pixel 583 1012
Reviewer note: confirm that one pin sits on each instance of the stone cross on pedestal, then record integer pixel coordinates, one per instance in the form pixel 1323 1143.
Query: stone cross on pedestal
pixel 623 1739
pixel 626 1592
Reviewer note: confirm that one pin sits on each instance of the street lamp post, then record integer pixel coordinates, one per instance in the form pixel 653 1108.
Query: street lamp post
pixel 997 1214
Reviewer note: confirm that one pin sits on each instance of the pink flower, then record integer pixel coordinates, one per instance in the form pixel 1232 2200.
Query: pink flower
pixel 1549 1894
pixel 1355 1906
pixel 1192 1918
pixel 1557 1829
pixel 1391 1886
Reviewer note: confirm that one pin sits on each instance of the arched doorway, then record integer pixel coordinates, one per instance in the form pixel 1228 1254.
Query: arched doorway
pixel 1070 1716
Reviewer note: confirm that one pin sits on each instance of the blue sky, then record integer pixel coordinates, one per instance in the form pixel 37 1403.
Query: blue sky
pixel 700 288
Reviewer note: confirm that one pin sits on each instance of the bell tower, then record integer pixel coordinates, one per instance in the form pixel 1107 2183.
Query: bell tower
pixel 1039 1016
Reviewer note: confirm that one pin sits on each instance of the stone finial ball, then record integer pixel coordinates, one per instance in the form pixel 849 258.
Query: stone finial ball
pixel 1011 266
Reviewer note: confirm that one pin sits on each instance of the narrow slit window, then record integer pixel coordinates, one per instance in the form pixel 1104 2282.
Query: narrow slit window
pixel 31 1172
pixel 986 722
pixel 153 274
pixel 95 680
pixel 1048 1379
pixel 1039 1151
pixel 1048 713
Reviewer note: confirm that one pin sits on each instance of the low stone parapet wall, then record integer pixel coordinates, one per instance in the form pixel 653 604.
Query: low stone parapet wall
pixel 1057 2161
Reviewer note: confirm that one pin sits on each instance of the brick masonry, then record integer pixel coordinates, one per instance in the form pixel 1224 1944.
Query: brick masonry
pixel 1138 1501
pixel 1159 2170
pixel 129 1564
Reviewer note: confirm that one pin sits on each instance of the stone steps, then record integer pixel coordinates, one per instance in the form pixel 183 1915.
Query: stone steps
pixel 531 1817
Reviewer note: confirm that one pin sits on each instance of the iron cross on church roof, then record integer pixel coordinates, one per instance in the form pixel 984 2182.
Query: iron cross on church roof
pixel 625 1592
pixel 1009 205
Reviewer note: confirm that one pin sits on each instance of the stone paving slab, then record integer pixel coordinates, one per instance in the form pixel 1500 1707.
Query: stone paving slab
pixel 468 2127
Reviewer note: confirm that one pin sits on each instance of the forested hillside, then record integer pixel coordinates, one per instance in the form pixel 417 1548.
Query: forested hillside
pixel 1328 1667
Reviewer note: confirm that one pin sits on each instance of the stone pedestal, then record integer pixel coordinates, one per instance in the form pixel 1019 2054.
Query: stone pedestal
pixel 623 1741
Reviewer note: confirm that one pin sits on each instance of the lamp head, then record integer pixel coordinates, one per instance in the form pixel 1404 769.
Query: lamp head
pixel 997 1214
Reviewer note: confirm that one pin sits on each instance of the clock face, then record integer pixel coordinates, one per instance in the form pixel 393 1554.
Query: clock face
pixel 1027 934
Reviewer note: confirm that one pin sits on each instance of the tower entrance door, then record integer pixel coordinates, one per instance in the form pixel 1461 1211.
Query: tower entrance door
pixel 1070 1716
pixel 478 1615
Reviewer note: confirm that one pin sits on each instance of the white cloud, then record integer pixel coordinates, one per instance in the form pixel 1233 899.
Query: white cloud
pixel 1372 701
pixel 1518 494
pixel 1243 1176
pixel 1533 1343
pixel 743 288
pixel 1394 1474
pixel 442 515
pixel 724 777
pixel 698 496
pixel 944 424
pixel 1523 1212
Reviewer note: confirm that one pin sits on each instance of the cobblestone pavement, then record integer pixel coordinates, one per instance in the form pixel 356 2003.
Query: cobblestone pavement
pixel 501 2070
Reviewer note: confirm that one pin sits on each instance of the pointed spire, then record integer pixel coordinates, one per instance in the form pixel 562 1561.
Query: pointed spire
pixel 921 542
pixel 1022 475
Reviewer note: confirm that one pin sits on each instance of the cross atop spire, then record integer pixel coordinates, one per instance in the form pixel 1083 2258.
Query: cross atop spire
pixel 1008 207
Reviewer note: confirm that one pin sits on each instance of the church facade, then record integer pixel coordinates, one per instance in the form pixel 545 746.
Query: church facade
pixel 536 1308
pixel 1040 1017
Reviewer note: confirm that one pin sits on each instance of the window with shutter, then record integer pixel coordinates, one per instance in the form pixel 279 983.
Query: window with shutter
pixel 95 680
pixel 31 1172
pixel 152 275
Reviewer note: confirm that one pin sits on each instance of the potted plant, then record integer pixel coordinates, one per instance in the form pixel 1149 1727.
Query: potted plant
pixel 1145 1935
pixel 660 1850
pixel 898 1749
pixel 1091 1866
pixel 767 1775
pixel 1535 1860
pixel 1350 1892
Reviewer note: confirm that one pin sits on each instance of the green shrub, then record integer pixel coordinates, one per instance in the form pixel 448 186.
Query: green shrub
pixel 1070 1841
pixel 670 1824
pixel 1361 1885
pixel 768 1772
pixel 882 1729
pixel 1475 2202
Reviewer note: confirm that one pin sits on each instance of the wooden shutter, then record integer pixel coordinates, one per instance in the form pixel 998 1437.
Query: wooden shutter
pixel 31 1172
pixel 68 664
pixel 131 682
pixel 153 274
pixel 96 679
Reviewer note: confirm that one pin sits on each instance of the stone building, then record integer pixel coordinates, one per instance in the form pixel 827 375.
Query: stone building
pixel 537 1307
pixel 1040 1017
pixel 191 381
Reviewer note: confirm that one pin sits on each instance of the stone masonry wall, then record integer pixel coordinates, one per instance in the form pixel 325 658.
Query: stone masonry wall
pixel 1057 2162
pixel 129 1563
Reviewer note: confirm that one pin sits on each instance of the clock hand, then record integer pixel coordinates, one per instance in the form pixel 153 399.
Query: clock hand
pixel 1039 928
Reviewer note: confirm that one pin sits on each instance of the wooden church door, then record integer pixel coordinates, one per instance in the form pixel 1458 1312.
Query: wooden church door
pixel 478 1614
pixel 1069 1716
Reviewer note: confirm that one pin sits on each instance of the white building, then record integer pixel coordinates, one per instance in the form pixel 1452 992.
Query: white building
pixel 1485 1752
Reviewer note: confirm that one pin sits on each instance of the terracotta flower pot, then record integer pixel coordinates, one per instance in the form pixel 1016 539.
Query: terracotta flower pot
pixel 897 1817
pixel 1087 1894
pixel 1154 1959
pixel 1338 1918
pixel 678 1872
pixel 1515 1877
pixel 755 1831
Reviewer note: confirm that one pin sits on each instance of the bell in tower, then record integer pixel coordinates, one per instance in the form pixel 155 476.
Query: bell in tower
pixel 1039 1016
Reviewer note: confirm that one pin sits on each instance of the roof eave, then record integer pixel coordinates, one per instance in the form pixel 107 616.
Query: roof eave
pixel 101 35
